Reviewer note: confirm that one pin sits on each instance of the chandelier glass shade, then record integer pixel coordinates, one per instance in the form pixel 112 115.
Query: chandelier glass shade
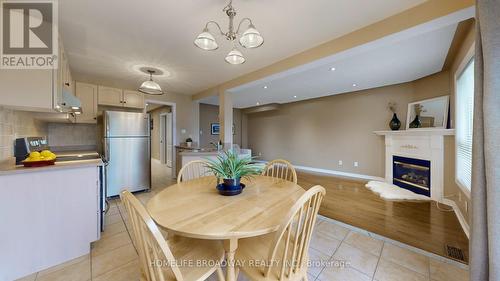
pixel 206 41
pixel 235 57
pixel 250 38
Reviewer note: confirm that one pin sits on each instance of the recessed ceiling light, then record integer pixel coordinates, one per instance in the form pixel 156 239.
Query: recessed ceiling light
pixel 265 87
pixel 294 97
pixel 354 85
pixel 258 103
pixel 332 68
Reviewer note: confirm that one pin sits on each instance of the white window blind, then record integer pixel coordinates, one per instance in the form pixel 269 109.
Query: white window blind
pixel 464 122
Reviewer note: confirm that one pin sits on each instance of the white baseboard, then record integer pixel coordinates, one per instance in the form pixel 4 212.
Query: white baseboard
pixel 335 173
pixel 461 218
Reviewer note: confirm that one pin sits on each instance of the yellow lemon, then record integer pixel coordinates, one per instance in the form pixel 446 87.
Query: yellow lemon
pixel 46 153
pixel 35 154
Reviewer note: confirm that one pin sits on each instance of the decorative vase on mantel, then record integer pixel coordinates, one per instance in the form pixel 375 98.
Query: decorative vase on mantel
pixel 416 123
pixel 395 124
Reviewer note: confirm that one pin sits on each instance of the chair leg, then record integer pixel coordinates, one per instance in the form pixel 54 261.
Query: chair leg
pixel 237 272
pixel 220 274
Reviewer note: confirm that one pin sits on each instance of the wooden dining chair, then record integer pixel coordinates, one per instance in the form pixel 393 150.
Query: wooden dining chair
pixel 280 169
pixel 193 170
pixel 285 252
pixel 176 259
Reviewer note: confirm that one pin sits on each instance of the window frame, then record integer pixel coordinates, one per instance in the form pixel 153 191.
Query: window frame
pixel 461 68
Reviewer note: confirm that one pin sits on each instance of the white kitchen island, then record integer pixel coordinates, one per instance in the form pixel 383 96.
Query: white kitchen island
pixel 48 215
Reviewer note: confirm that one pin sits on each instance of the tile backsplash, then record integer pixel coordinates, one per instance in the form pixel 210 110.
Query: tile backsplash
pixel 61 135
pixel 17 124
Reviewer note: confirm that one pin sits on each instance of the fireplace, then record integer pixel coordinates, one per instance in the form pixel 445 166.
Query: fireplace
pixel 412 174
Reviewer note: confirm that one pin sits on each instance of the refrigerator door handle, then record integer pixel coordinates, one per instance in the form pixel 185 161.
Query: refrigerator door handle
pixel 106 150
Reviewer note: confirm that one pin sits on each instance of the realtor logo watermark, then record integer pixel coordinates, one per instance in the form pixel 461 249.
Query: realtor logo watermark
pixel 28 34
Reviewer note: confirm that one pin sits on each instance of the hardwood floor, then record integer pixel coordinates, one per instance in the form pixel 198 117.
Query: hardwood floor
pixel 419 224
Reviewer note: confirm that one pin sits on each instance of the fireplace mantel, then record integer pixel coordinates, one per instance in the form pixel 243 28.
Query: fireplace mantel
pixel 418 132
pixel 425 144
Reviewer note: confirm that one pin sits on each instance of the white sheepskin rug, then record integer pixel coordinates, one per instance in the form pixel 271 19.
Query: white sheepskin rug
pixel 393 192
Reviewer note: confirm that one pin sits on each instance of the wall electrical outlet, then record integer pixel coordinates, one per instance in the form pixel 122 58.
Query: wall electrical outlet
pixel 341 163
pixel 260 153
pixel 356 164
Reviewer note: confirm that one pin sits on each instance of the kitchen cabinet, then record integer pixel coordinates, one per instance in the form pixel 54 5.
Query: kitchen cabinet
pixel 52 214
pixel 110 96
pixel 133 99
pixel 121 98
pixel 87 94
pixel 36 90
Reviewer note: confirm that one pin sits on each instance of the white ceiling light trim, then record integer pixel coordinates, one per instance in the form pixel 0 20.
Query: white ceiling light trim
pixel 150 87
pixel 249 39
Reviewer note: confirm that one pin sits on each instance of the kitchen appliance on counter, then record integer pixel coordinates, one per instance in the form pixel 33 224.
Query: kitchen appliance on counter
pixel 126 149
pixel 24 146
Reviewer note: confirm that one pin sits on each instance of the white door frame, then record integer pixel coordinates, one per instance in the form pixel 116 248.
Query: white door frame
pixel 174 127
pixel 163 138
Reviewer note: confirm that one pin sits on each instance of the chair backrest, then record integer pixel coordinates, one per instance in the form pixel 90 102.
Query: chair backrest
pixel 156 260
pixel 193 170
pixel 288 255
pixel 280 169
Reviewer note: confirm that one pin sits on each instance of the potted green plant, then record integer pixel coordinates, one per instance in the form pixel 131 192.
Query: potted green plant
pixel 231 168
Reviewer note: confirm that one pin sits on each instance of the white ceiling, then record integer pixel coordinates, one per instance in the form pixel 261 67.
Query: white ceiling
pixel 398 58
pixel 107 41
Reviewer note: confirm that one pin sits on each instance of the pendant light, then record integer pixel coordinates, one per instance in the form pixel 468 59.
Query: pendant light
pixel 250 38
pixel 150 87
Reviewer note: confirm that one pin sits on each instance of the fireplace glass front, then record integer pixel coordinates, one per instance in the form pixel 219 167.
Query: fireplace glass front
pixel 412 174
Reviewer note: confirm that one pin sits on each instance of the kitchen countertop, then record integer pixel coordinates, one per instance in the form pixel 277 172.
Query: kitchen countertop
pixel 8 167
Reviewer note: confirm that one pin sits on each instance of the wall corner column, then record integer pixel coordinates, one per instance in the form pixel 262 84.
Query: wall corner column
pixel 226 119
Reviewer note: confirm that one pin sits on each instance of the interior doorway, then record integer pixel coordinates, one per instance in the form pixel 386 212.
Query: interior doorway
pixel 166 141
pixel 162 129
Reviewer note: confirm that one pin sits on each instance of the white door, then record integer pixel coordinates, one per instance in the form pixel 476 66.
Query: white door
pixel 163 122
pixel 169 139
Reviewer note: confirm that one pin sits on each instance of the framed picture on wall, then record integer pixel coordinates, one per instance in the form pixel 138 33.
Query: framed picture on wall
pixel 215 129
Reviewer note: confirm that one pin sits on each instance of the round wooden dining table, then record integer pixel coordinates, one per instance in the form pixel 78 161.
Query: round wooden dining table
pixel 195 209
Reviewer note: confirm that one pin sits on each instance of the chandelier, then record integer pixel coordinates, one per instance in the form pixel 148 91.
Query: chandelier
pixel 249 39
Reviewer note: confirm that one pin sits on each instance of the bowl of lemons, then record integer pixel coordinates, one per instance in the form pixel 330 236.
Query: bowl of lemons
pixel 38 159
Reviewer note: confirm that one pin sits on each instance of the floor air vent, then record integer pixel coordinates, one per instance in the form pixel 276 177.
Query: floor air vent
pixel 455 253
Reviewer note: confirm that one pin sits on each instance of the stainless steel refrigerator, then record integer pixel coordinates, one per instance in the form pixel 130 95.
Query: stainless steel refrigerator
pixel 127 151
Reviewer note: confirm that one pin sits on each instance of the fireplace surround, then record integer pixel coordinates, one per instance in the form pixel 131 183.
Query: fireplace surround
pixel 414 160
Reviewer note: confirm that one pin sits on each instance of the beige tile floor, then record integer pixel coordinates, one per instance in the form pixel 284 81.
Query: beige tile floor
pixel 336 253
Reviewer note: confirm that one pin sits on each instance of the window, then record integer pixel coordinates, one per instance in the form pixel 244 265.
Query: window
pixel 464 120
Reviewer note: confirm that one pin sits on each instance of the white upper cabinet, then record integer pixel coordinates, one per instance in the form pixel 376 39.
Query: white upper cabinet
pixel 110 96
pixel 36 90
pixel 27 89
pixel 133 99
pixel 118 97
pixel 87 94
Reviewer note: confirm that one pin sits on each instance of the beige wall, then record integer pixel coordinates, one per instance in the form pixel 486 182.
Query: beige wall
pixel 155 133
pixel 16 124
pixel 210 114
pixel 456 194
pixel 320 132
